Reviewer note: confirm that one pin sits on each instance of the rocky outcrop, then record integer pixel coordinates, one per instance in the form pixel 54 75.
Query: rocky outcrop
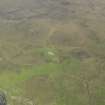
pixel 3 99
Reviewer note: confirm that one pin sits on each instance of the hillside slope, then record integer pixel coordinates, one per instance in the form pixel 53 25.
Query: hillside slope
pixel 52 52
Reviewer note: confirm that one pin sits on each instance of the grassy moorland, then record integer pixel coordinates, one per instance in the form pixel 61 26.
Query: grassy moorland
pixel 52 52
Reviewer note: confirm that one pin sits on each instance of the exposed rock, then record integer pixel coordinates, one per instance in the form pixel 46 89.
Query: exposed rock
pixel 3 99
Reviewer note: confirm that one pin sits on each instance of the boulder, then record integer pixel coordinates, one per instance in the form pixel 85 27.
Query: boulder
pixel 3 100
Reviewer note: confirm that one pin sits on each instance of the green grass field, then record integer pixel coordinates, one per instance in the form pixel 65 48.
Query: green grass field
pixel 52 52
